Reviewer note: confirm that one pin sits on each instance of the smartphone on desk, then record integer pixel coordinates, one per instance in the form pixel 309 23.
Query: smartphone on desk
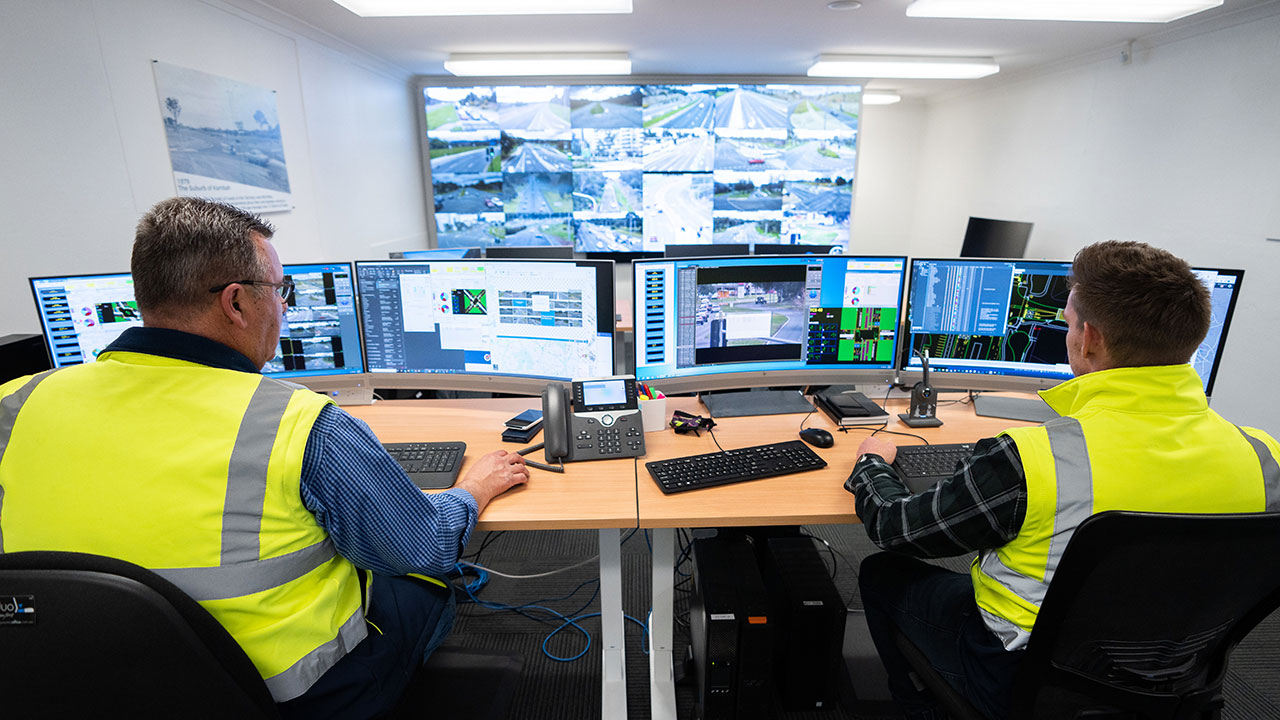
pixel 525 420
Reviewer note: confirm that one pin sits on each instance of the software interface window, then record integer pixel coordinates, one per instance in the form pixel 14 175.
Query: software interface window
pixel 990 317
pixel 320 333
pixel 1004 318
pixel 539 319
pixel 709 316
pixel 82 315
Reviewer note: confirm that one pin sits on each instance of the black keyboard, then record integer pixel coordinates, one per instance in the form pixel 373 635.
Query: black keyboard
pixel 923 466
pixel 430 465
pixel 738 465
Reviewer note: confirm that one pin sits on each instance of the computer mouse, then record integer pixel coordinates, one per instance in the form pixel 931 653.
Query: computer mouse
pixel 817 437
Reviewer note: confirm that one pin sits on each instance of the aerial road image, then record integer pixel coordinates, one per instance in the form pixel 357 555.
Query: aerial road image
pixel 677 209
pixel 535 113
pixel 683 106
pixel 605 106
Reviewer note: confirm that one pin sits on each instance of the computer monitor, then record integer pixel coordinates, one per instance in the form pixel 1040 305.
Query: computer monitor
pixel 705 250
pixel 80 315
pixel 320 334
pixel 721 323
pixel 993 324
pixel 784 249
pixel 530 252
pixel 320 338
pixel 988 238
pixel 487 325
pixel 457 253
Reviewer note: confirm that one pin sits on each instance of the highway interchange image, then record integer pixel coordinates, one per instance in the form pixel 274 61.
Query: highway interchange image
pixel 627 168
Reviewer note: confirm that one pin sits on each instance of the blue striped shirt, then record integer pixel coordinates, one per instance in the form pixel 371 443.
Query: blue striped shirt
pixel 377 517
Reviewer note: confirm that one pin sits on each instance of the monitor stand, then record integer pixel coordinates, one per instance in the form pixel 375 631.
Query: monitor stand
pixel 1031 409
pixel 755 402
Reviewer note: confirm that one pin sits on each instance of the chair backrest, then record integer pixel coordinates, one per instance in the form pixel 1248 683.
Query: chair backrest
pixel 84 635
pixel 1144 610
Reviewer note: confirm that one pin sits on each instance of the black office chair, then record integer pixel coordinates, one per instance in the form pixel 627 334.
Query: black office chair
pixel 1140 618
pixel 97 636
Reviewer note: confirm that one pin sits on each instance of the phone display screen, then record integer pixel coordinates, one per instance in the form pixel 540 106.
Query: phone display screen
pixel 604 392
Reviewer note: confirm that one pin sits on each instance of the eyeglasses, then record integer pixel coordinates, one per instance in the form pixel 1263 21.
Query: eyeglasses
pixel 283 289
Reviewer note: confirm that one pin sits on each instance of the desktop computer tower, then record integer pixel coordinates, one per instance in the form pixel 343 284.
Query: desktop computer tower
pixel 808 618
pixel 731 632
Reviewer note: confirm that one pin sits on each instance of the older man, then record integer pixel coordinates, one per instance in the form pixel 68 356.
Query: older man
pixel 280 513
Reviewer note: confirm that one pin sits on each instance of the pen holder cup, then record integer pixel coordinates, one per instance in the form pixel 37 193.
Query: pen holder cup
pixel 653 414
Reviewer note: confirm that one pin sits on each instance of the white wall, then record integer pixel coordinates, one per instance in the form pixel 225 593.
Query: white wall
pixel 888 170
pixel 1180 148
pixel 85 151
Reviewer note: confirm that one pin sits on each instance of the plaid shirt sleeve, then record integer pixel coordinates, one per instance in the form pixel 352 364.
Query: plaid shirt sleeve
pixel 981 506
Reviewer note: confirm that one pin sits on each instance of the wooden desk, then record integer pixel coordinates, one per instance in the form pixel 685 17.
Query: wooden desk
pixel 813 497
pixel 599 495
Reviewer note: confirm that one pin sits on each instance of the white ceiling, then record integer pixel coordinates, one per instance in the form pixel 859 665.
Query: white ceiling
pixel 744 37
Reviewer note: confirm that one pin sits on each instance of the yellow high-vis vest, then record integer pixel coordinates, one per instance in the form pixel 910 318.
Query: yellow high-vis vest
pixel 194 473
pixel 1141 439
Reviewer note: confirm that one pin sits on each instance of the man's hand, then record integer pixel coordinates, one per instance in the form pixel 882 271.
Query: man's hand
pixel 494 474
pixel 878 446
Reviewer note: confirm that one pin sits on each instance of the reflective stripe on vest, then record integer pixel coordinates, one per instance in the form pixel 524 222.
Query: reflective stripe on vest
pixel 302 675
pixel 9 407
pixel 1270 470
pixel 1074 505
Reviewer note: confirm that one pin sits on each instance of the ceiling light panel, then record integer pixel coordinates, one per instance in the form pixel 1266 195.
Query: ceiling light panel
pixel 407 8
pixel 526 64
pixel 902 66
pixel 1150 11
pixel 880 97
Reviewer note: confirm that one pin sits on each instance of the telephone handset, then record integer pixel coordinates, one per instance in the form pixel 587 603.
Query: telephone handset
pixel 594 419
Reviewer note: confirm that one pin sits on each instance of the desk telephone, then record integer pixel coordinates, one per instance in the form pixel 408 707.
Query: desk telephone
pixel 595 419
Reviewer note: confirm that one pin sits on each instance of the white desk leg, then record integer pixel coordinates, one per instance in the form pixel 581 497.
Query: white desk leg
pixel 613 692
pixel 662 686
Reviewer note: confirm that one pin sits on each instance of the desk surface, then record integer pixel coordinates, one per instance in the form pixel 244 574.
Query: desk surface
pixel 804 498
pixel 615 493
pixel 588 495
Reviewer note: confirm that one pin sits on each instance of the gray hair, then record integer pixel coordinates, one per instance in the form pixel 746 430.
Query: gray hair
pixel 184 246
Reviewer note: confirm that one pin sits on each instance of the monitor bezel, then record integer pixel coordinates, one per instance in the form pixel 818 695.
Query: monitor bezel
pixel 485 382
pixel 744 379
pixel 941 378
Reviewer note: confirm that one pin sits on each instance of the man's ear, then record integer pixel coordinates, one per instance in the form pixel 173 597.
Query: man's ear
pixel 229 302
pixel 1093 347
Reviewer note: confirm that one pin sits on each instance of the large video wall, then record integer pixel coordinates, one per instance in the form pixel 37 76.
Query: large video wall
pixel 631 168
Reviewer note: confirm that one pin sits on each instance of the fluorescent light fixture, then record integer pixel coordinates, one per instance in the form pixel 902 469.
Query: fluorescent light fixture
pixel 880 97
pixel 477 64
pixel 902 66
pixel 407 8
pixel 1149 11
